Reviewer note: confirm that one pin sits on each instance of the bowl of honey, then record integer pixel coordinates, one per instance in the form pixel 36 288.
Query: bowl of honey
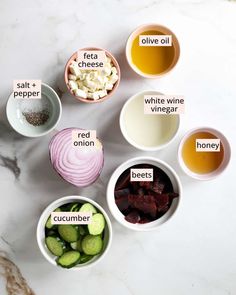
pixel 152 50
pixel 204 153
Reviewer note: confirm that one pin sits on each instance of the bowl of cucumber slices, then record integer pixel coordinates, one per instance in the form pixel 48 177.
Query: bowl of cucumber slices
pixel 74 244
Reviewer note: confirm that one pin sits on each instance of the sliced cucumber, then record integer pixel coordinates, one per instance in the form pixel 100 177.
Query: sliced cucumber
pixel 77 245
pixel 69 259
pixel 92 245
pixel 97 225
pixel 49 224
pixel 55 246
pixel 85 258
pixel 83 230
pixel 74 207
pixel 51 233
pixel 87 207
pixel 68 233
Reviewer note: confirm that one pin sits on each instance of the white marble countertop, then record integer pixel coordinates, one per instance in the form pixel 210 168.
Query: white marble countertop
pixel 195 253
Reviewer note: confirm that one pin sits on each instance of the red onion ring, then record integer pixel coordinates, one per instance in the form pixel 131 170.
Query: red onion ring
pixel 79 166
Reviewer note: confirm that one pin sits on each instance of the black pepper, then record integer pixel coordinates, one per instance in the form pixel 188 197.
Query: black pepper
pixel 37 118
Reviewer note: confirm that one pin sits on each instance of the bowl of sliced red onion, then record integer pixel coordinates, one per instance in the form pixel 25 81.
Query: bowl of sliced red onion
pixel 78 165
pixel 144 193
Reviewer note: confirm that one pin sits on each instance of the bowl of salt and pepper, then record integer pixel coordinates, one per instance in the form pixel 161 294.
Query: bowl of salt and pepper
pixel 37 116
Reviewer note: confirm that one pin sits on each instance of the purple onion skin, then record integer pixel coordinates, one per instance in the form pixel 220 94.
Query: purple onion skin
pixel 55 158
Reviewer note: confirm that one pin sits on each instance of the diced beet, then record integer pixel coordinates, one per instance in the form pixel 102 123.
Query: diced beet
pixel 163 209
pixel 144 220
pixel 122 192
pixel 162 201
pixel 135 186
pixel 145 184
pixel 123 181
pixel 133 216
pixel 172 196
pixel 141 191
pixel 145 204
pixel 122 203
pixel 158 187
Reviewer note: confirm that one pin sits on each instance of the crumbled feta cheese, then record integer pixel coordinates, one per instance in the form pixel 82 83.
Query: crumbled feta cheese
pixel 72 77
pixel 92 84
pixel 73 85
pixel 80 93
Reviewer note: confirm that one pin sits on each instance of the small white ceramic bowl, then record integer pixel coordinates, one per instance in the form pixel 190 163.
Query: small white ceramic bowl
pixel 18 122
pixel 171 123
pixel 223 165
pixel 154 224
pixel 41 231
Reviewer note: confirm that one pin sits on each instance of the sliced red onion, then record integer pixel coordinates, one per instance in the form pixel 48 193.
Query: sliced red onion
pixel 79 166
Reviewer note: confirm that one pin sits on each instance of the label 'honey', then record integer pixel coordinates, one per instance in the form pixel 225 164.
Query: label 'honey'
pixel 201 162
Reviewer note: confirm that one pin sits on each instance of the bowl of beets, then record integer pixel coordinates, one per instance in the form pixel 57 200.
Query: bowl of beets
pixel 144 205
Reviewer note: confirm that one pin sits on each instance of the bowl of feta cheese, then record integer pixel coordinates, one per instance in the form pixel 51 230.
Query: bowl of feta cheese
pixel 92 74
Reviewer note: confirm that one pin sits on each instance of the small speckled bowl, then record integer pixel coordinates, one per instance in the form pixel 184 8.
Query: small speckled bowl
pixel 16 108
pixel 110 93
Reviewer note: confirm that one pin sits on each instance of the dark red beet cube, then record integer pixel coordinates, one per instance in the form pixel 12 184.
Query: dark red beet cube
pixel 123 181
pixel 133 216
pixel 122 203
pixel 158 187
pixel 144 220
pixel 122 192
pixel 145 184
pixel 162 201
pixel 145 204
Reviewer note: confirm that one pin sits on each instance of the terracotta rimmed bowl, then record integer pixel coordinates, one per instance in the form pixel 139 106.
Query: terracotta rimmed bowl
pixel 115 86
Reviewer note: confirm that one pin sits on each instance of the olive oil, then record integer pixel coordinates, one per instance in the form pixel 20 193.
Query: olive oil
pixel 201 162
pixel 152 60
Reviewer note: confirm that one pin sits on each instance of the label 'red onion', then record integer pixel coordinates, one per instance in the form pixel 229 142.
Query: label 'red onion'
pixel 79 166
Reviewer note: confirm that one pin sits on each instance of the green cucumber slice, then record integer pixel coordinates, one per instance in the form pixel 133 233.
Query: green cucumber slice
pixel 55 246
pixel 83 230
pixel 97 225
pixel 92 245
pixel 68 233
pixel 69 259
pixel 74 207
pixel 87 207
pixel 49 224
pixel 85 258
pixel 51 233
pixel 77 245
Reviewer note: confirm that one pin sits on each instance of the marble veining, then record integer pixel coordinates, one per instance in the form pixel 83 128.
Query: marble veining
pixel 193 254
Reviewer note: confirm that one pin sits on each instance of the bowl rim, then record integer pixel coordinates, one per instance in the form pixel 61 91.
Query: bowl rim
pixel 132 142
pixel 175 44
pixel 68 199
pixel 115 86
pixel 57 99
pixel 224 164
pixel 158 223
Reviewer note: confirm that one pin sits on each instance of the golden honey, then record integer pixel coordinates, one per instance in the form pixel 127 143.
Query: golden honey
pixel 201 162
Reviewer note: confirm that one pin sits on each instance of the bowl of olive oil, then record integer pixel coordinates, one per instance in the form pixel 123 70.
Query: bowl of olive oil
pixel 152 50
